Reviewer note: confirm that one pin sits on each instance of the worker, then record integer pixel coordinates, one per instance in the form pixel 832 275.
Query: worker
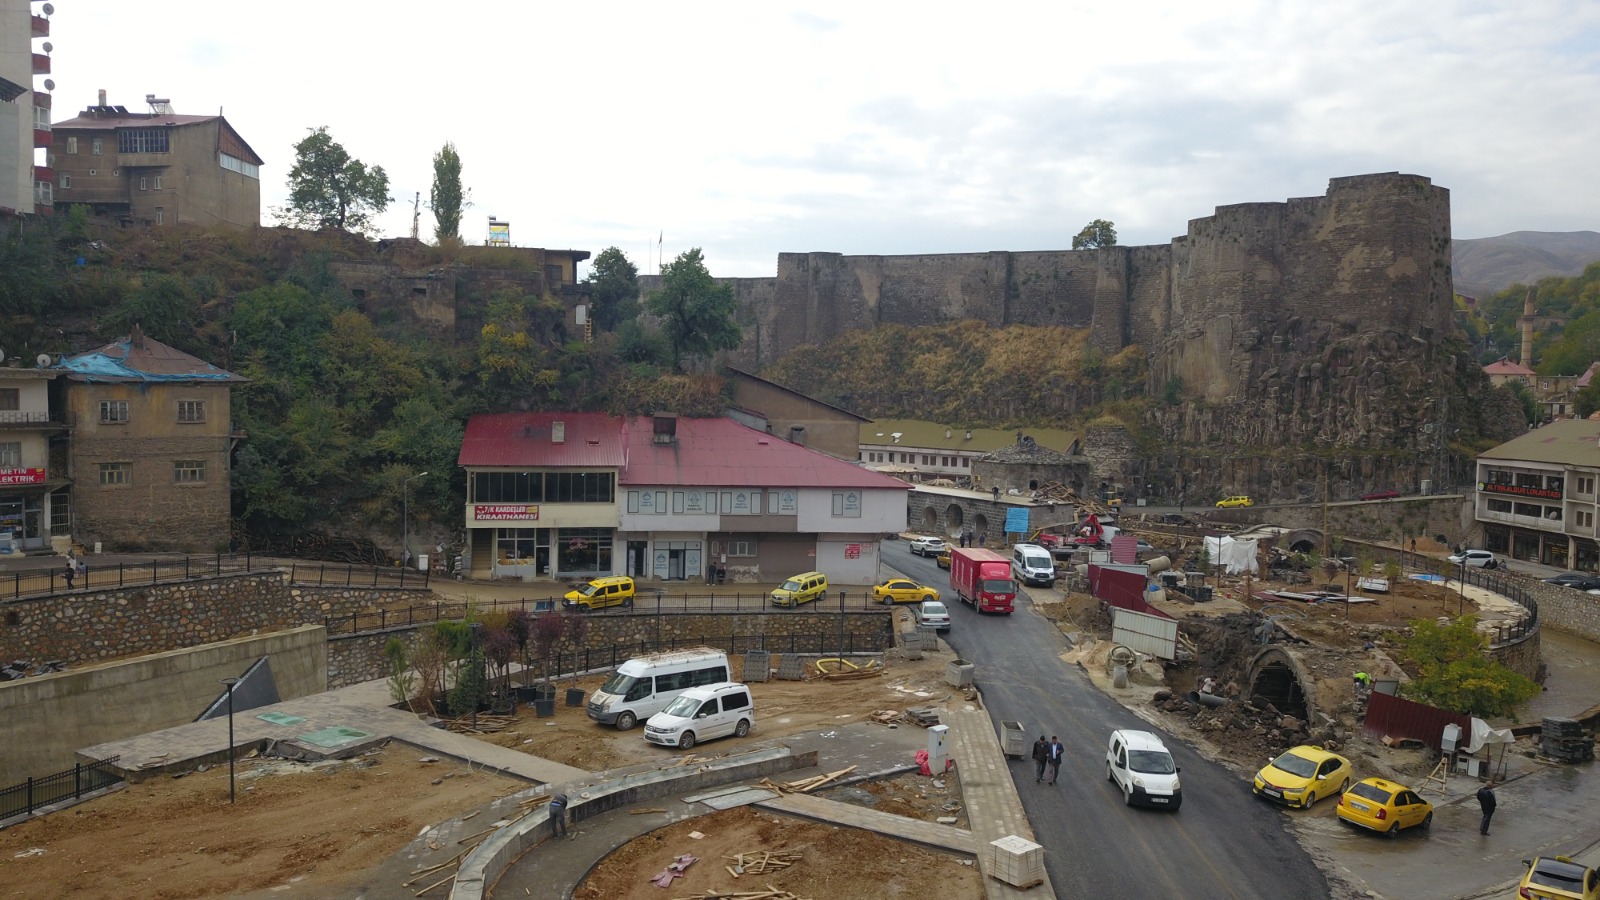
pixel 1363 683
pixel 558 815
pixel 1209 686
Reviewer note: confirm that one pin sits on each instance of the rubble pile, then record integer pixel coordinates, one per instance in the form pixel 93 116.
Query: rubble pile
pixel 1245 725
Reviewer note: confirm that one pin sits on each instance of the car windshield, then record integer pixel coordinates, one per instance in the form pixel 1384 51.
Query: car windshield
pixel 618 684
pixel 588 590
pixel 1298 766
pixel 1150 762
pixel 1371 792
pixel 933 609
pixel 684 707
pixel 790 585
pixel 999 586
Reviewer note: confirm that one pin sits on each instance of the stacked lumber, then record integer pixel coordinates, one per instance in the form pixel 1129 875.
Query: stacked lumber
pixel 762 863
pixel 804 785
pixel 771 893
pixel 481 724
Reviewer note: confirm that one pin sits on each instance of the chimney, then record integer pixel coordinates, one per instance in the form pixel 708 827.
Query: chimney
pixel 797 435
pixel 136 337
pixel 102 96
pixel 665 426
pixel 558 432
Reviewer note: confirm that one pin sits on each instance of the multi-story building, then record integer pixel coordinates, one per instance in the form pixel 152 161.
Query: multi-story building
pixel 768 406
pixel 1537 495
pixel 156 167
pixel 34 503
pixel 151 445
pixel 922 451
pixel 575 495
pixel 25 186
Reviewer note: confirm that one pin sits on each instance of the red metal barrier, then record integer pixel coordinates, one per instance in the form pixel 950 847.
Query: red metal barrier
pixel 1398 717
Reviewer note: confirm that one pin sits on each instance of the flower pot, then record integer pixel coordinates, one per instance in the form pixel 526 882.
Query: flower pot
pixel 574 696
pixel 544 692
pixel 544 709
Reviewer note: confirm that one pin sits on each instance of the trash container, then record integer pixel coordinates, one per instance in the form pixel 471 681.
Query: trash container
pixel 422 562
pixel 958 673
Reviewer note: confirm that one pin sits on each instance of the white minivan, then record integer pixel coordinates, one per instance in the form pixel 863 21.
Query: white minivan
pixel 1140 766
pixel 644 685
pixel 1031 564
pixel 700 714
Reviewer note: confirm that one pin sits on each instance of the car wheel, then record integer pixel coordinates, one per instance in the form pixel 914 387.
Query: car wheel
pixel 1427 821
pixel 742 729
pixel 627 603
pixel 1309 800
pixel 687 741
pixel 1127 796
pixel 625 721
pixel 1393 832
pixel 928 598
pixel 888 600
pixel 1109 777
pixel 1344 786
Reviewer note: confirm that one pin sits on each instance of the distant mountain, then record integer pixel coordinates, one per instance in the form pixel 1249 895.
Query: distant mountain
pixel 1485 266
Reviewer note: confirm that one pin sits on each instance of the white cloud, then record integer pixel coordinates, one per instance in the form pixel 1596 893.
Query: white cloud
pixel 750 129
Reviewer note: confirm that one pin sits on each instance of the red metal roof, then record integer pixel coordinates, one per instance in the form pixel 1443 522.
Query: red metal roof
pixel 723 453
pixel 1504 366
pixel 524 440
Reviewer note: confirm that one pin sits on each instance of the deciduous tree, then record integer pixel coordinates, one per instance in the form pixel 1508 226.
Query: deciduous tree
pixel 1096 234
pixel 447 198
pixel 328 188
pixel 613 288
pixel 1453 672
pixel 697 314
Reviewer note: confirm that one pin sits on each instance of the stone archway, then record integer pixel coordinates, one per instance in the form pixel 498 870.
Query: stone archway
pixel 980 525
pixel 1275 675
pixel 930 519
pixel 1302 540
pixel 954 518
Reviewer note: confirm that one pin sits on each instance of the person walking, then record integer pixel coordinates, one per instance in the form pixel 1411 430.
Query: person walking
pixel 1041 751
pixel 70 573
pixel 558 815
pixel 1054 758
pixel 1486 803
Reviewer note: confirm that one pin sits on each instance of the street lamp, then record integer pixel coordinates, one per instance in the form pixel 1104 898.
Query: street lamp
pixel 1461 598
pixel 230 682
pixel 405 517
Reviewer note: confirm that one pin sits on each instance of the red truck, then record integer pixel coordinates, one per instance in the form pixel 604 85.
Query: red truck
pixel 982 578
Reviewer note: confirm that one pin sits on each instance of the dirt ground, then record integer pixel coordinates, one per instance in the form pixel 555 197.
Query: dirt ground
pixel 911 795
pixel 313 823
pixel 835 863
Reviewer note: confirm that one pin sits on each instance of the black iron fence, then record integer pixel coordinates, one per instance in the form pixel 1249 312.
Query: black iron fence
pixel 1516 588
pixel 92 576
pixel 572 663
pixel 28 797
pixel 647 603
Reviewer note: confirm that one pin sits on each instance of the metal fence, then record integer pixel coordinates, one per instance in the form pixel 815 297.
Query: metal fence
pixel 342 575
pixel 113 576
pixel 606 658
pixel 1516 588
pixel 28 797
pixel 654 603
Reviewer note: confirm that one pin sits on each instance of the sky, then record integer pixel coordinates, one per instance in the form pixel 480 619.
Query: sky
pixel 751 129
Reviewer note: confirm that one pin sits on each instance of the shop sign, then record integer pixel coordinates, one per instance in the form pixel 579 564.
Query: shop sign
pixel 484 512
pixel 852 551
pixel 22 476
pixel 1489 487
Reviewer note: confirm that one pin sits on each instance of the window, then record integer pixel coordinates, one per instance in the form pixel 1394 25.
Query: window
pixel 113 412
pixel 847 504
pixel 61 513
pixel 10 398
pixel 508 487
pixel 741 548
pixel 117 473
pixel 1585 484
pixel 161 216
pixel 142 140
pixel 157 183
pixel 191 410
pixel 11 453
pixel 235 164
pixel 735 700
pixel 579 487
pixel 144 183
pixel 188 471
pixel 95 146
pixel 1499 506
pixel 64 182
pixel 72 146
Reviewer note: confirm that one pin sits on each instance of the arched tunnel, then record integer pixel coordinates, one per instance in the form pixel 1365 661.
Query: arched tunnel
pixel 1276 676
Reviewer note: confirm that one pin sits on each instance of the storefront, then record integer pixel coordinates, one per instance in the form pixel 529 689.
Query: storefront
pixel 528 553
pixel 24 510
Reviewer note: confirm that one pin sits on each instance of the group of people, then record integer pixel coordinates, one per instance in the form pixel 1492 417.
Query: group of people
pixel 75 567
pixel 1047 759
pixel 967 538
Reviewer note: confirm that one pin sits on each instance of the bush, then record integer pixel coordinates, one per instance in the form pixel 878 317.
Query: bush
pixel 1455 674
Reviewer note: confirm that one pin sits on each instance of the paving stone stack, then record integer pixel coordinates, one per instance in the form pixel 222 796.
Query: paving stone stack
pixel 791 668
pixel 1566 740
pixel 757 665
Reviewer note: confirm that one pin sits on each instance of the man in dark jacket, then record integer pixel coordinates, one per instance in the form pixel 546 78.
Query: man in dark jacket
pixel 558 815
pixel 1053 755
pixel 1041 752
pixel 1486 803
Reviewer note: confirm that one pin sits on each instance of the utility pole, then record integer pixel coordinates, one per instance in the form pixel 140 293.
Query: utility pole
pixel 416 215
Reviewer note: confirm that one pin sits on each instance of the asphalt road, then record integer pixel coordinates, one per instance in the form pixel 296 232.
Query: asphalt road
pixel 1223 842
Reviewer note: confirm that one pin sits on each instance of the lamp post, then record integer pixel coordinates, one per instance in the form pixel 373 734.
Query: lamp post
pixel 230 682
pixel 405 518
pixel 1461 598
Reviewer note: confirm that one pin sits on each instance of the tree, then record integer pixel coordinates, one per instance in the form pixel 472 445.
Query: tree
pixel 613 289
pixel 1453 672
pixel 447 198
pixel 696 312
pixel 1096 234
pixel 330 189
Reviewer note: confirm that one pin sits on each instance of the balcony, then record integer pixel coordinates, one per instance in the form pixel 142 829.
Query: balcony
pixel 41 27
pixel 43 137
pixel 42 173
pixel 41 64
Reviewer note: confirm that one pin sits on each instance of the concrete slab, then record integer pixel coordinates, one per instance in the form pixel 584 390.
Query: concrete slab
pixel 740 798
pixel 917 831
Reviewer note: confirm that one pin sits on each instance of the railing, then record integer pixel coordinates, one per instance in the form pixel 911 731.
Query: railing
pixel 101 577
pixel 27 797
pixel 1511 586
pixel 654 604
pixel 341 575
pixel 566 665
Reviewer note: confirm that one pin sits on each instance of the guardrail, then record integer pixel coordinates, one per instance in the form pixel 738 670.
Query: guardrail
pixel 112 576
pixel 1510 585
pixel 27 797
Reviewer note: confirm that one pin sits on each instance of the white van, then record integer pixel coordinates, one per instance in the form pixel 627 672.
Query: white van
pixel 700 714
pixel 1031 564
pixel 643 686
pixel 1140 766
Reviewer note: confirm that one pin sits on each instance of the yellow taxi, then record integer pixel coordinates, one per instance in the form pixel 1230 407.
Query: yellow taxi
pixel 614 590
pixel 1302 775
pixel 1384 807
pixel 943 559
pixel 1553 877
pixel 1235 500
pixel 902 590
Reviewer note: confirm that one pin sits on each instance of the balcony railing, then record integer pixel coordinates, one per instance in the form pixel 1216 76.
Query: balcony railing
pixel 41 26
pixel 41 64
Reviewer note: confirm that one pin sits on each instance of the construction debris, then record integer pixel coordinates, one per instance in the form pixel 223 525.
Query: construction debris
pixel 480 724
pixel 833 668
pixel 762 863
pixel 805 785
pixel 674 870
pixel 771 893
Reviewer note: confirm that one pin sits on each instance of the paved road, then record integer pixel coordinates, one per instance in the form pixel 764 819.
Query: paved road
pixel 1222 843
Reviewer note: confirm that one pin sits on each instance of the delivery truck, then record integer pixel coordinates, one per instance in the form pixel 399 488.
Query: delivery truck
pixel 982 578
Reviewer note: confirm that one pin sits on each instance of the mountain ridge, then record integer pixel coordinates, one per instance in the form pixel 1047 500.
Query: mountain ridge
pixel 1485 266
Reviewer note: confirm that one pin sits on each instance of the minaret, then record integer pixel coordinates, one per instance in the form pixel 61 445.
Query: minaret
pixel 1527 330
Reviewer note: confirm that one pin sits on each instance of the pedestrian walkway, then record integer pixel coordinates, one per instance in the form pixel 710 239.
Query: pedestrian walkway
pixel 994 810
pixel 917 831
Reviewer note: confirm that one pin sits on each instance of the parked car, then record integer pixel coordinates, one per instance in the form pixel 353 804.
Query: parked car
pixel 927 546
pixel 1235 500
pixel 1140 766
pixel 1552 877
pixel 1481 559
pixel 1576 580
pixel 1385 494
pixel 933 614
pixel 1301 776
pixel 612 590
pixel 1143 546
pixel 702 713
pixel 902 590
pixel 943 559
pixel 802 588
pixel 1384 806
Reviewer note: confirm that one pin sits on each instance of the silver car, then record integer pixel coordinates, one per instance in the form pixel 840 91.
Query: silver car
pixel 933 614
pixel 927 546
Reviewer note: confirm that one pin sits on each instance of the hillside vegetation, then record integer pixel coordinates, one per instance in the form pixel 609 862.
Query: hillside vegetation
pixel 1563 348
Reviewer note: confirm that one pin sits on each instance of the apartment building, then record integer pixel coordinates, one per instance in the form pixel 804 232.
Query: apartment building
pixel 25 184
pixel 1537 495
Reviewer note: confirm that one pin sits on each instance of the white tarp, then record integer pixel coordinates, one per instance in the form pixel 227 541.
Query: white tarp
pixel 1482 734
pixel 1236 557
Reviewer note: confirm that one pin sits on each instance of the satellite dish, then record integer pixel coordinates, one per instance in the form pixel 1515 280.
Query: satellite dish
pixel 43 360
pixel 49 10
pixel 48 46
pixel 49 84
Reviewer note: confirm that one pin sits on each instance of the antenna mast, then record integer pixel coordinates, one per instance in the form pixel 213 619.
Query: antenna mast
pixel 416 215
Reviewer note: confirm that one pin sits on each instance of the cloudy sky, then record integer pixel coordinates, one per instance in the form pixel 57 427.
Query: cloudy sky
pixel 749 129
